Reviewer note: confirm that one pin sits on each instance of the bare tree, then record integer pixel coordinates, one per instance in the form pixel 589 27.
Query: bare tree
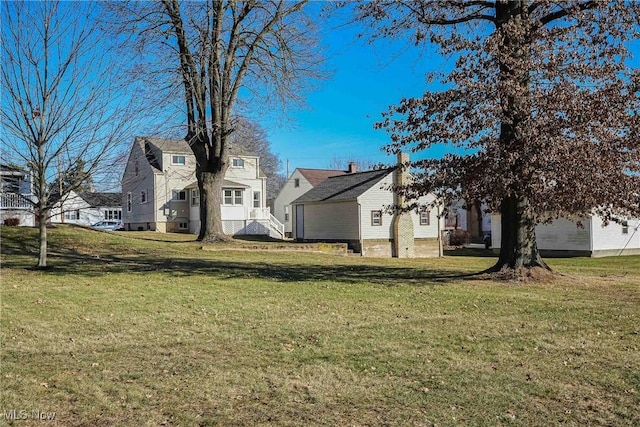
pixel 541 97
pixel 251 137
pixel 360 164
pixel 62 112
pixel 229 56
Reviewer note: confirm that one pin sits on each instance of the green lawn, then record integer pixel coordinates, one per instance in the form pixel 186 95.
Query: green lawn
pixel 144 329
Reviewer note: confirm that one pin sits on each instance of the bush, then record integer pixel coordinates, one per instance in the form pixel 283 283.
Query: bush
pixel 455 237
pixel 12 222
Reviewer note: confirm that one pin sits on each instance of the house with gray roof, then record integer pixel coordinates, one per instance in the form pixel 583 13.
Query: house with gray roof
pixel 86 208
pixel 160 191
pixel 355 209
pixel 298 183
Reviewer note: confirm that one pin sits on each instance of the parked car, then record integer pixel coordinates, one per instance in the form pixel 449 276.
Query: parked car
pixel 108 225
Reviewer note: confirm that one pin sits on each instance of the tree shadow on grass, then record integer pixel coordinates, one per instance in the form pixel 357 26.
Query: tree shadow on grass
pixel 70 263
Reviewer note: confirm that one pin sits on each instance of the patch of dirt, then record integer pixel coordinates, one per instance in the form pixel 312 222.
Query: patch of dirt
pixel 523 274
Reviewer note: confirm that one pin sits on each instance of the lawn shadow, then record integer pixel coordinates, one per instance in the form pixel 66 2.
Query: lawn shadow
pixel 70 263
pixel 67 260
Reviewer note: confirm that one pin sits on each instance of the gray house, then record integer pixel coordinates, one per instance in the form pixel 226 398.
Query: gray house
pixel 353 208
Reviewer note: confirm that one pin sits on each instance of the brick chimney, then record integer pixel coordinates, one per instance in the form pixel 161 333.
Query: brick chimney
pixel 352 167
pixel 403 233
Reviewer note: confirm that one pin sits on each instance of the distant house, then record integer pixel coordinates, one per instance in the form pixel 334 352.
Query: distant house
pixel 352 208
pixel 16 195
pixel 473 218
pixel 160 192
pixel 564 238
pixel 86 208
pixel 300 181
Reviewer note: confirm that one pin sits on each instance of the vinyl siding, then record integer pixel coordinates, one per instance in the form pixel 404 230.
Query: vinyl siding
pixel 378 197
pixel 331 221
pixel 611 237
pixel 561 235
pixel 134 184
pixel 287 194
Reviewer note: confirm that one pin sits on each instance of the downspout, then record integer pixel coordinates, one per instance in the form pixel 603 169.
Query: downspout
pixel 360 228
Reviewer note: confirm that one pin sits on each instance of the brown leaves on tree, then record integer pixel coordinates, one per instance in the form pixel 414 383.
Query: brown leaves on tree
pixel 541 98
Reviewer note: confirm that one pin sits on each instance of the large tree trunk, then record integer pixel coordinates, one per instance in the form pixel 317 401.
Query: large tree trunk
pixel 518 247
pixel 210 185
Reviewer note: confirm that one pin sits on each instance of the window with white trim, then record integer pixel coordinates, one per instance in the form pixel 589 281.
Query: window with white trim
pixel 128 202
pixel 376 218
pixel 237 163
pixel 178 160
pixel 143 196
pixel 286 213
pixel 195 197
pixel 425 218
pixel 625 227
pixel 179 195
pixel 256 199
pixel 296 182
pixel 72 215
pixel 233 197
pixel 113 214
pixel 183 225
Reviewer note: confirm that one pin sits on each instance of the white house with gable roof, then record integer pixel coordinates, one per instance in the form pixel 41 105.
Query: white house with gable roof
pixel 160 192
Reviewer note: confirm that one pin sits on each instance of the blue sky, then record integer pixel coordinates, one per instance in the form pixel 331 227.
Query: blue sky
pixel 338 123
pixel 366 80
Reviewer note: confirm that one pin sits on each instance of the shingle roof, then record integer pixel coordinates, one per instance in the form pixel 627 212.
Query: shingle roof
pixel 171 145
pixel 101 199
pixel 316 176
pixel 343 187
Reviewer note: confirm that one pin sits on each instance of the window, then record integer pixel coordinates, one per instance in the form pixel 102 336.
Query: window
pixel 178 160
pixel 625 227
pixel 179 195
pixel 183 225
pixel 376 218
pixel 286 213
pixel 296 182
pixel 113 214
pixel 237 163
pixel 195 197
pixel 136 167
pixel 143 196
pixel 256 199
pixel 424 217
pixel 72 215
pixel 128 202
pixel 232 197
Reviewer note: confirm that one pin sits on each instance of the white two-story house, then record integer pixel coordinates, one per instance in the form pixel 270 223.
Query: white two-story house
pixel 16 195
pixel 160 192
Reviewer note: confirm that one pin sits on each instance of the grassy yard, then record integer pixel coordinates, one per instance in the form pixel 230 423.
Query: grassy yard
pixel 141 329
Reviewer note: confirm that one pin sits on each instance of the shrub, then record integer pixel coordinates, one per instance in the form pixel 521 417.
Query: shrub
pixel 12 222
pixel 455 237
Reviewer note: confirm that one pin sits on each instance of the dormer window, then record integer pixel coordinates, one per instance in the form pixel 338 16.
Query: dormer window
pixel 237 163
pixel 178 160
